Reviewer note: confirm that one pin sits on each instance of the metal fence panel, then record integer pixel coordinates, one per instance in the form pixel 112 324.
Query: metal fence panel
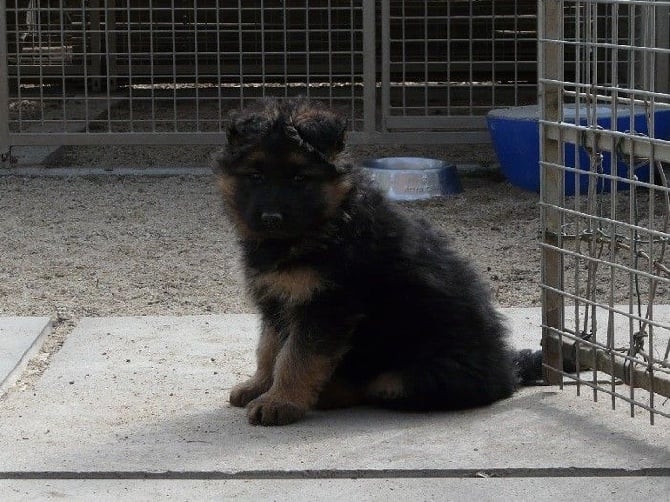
pixel 606 131
pixel 446 64
pixel 162 71
pixel 122 71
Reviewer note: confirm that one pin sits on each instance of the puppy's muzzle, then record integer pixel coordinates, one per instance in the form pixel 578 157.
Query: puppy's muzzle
pixel 271 220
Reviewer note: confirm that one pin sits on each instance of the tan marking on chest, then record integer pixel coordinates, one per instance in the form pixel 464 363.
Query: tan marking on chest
pixel 293 286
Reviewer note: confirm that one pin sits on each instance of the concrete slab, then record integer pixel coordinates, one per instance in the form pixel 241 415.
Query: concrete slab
pixel 492 489
pixel 127 396
pixel 20 339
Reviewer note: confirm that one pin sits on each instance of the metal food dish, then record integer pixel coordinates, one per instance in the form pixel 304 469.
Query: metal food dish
pixel 413 178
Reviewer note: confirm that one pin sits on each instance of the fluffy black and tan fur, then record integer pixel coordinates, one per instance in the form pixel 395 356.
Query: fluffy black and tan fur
pixel 360 304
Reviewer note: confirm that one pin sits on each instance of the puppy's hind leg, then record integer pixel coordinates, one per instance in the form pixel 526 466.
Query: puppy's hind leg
pixel 339 393
pixel 441 385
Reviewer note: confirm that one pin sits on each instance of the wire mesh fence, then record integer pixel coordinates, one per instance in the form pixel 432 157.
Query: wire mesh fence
pixel 605 198
pixel 166 71
pixel 446 64
pixel 119 71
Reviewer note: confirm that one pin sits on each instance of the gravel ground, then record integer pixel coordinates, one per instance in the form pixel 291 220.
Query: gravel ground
pixel 112 245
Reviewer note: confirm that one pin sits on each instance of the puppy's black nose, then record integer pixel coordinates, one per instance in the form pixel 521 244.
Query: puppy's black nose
pixel 271 220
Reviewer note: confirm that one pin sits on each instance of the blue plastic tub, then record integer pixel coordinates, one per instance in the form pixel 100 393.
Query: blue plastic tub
pixel 516 140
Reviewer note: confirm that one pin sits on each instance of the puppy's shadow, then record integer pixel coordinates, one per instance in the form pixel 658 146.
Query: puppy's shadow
pixel 531 423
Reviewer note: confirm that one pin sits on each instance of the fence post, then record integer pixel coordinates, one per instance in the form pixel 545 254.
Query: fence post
pixel 552 192
pixel 4 84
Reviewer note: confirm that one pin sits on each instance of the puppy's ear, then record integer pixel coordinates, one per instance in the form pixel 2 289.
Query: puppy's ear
pixel 248 126
pixel 322 128
pixel 220 160
pixel 243 128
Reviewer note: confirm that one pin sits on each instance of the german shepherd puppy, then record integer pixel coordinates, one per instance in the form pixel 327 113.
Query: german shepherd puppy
pixel 360 304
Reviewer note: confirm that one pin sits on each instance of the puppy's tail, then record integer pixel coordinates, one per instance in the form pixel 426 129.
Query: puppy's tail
pixel 528 366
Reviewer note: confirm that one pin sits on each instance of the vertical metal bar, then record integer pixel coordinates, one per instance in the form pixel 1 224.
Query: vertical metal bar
pixel 493 55
pixel 576 180
pixel 308 62
pixel 112 50
pixel 217 16
pixel 632 67
pixel 550 61
pixel 4 82
pixel 386 60
pixel 129 56
pixel 286 48
pixel 353 76
pixel 173 22
pixel 62 52
pixel 614 78
pixel 516 51
pixel 19 77
pixel 592 39
pixel 106 56
pixel 403 58
pixel 329 35
pixel 426 82
pixel 448 48
pixel 96 45
pixel 196 62
pixel 369 64
pixel 650 39
pixel 40 55
pixel 261 12
pixel 84 61
pixel 152 57
pixel 662 42
pixel 471 75
pixel 241 50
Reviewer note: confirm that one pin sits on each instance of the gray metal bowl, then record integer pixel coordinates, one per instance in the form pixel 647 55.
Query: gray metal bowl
pixel 413 178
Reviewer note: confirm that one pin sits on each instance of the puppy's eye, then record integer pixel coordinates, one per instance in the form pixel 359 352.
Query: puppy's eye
pixel 299 178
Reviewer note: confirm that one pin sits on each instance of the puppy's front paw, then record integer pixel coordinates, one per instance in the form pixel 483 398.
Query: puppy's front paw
pixel 267 411
pixel 245 392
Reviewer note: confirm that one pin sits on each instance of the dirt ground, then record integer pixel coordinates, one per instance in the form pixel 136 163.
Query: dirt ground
pixel 112 245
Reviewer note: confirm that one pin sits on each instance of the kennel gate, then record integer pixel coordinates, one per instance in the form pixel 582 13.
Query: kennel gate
pixel 166 72
pixel 605 250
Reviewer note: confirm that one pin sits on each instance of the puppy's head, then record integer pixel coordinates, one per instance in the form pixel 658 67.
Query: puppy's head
pixel 280 173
